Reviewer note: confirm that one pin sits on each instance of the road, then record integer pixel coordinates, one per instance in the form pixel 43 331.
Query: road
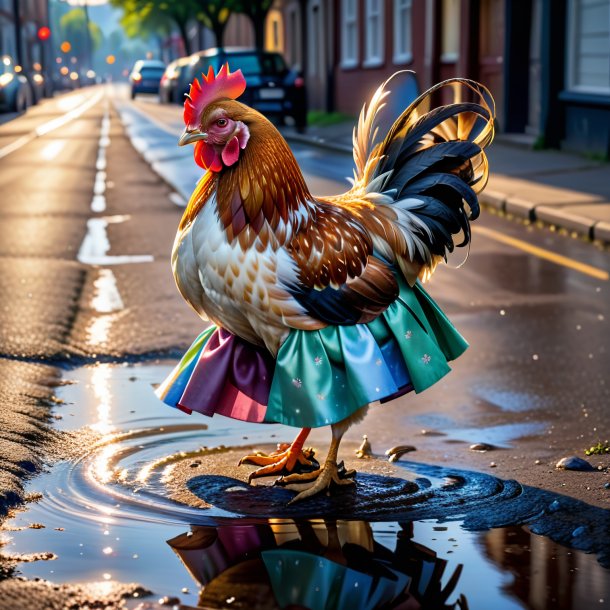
pixel 86 229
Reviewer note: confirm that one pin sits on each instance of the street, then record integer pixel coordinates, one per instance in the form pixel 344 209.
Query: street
pixel 87 224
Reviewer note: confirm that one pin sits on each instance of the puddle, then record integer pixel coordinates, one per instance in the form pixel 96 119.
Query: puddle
pixel 501 435
pixel 107 517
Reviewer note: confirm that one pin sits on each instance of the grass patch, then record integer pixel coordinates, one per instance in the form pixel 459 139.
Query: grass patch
pixel 599 449
pixel 319 118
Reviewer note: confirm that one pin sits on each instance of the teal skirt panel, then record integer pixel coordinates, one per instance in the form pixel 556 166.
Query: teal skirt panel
pixel 323 376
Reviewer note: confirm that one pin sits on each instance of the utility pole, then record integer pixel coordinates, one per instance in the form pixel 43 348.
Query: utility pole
pixel 88 43
pixel 18 34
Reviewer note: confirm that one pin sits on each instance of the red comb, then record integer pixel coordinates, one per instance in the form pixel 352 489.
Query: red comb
pixel 212 88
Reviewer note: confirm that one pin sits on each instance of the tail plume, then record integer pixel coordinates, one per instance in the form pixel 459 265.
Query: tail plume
pixel 423 178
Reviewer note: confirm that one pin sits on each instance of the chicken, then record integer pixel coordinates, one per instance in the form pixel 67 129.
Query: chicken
pixel 316 303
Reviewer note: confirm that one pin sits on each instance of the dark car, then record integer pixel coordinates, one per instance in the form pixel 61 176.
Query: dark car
pixel 174 82
pixel 273 88
pixel 15 92
pixel 146 76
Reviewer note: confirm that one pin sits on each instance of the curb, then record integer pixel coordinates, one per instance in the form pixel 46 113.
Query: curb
pixel 594 230
pixel 317 142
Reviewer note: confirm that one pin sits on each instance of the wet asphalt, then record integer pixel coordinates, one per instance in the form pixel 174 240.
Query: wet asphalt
pixel 85 239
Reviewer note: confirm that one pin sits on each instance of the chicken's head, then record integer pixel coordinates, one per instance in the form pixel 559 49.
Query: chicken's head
pixel 212 119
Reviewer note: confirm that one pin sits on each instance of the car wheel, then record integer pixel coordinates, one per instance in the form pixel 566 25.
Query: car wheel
pixel 21 103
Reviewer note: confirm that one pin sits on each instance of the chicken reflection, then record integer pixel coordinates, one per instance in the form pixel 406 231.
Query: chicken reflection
pixel 315 565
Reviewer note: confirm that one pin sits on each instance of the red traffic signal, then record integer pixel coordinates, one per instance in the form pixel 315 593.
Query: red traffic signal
pixel 44 33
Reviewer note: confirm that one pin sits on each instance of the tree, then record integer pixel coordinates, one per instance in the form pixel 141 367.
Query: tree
pixel 214 14
pixel 72 27
pixel 257 11
pixel 142 18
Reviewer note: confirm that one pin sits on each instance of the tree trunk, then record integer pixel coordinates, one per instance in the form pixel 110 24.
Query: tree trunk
pixel 184 36
pixel 258 21
pixel 219 33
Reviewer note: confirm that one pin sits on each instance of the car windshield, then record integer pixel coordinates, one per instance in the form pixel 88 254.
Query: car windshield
pixel 152 72
pixel 270 64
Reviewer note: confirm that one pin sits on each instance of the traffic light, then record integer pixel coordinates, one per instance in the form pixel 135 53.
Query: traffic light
pixel 44 33
pixel 65 47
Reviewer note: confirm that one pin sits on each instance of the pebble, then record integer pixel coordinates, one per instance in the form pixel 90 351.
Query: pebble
pixel 607 485
pixel 169 601
pixel 492 464
pixel 579 531
pixel 395 452
pixel 573 463
pixel 481 447
pixel 365 450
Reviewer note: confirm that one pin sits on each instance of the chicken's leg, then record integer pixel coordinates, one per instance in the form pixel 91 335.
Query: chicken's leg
pixel 323 477
pixel 285 459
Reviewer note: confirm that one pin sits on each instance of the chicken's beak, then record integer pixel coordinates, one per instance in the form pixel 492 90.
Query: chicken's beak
pixel 190 136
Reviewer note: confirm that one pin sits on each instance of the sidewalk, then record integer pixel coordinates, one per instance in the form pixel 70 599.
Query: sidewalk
pixel 557 188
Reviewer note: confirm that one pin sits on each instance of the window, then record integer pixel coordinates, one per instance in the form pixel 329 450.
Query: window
pixel 273 31
pixel 374 38
pixel 294 37
pixel 315 31
pixel 402 31
pixel 451 31
pixel 589 46
pixel 349 40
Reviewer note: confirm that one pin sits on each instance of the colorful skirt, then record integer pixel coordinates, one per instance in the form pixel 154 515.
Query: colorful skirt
pixel 320 377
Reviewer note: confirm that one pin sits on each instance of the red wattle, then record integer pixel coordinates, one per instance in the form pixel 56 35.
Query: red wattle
pixel 230 153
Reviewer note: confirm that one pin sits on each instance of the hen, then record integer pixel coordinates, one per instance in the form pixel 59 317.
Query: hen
pixel 316 302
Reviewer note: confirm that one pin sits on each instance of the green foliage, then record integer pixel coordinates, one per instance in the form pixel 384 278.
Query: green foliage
pixel 320 118
pixel 146 18
pixel 214 14
pixel 72 28
pixel 599 449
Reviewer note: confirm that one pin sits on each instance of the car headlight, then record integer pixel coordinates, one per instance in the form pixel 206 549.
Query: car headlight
pixel 5 79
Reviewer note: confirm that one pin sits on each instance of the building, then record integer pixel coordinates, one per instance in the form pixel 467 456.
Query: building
pixel 547 62
pixel 20 21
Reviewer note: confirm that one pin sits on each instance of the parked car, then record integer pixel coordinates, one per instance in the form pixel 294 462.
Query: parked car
pixel 174 82
pixel 15 91
pixel 146 76
pixel 273 89
pixel 37 81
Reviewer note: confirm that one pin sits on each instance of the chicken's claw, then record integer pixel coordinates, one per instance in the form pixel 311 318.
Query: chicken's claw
pixel 284 460
pixel 311 483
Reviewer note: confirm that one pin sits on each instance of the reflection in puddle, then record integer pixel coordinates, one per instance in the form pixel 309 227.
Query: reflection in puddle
pixel 321 565
pixel 318 565
pixel 109 513
pixel 99 381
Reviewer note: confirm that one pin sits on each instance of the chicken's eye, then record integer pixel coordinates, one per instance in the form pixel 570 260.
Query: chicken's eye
pixel 221 122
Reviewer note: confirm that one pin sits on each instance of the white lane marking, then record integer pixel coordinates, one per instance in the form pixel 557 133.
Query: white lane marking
pixel 71 101
pixel 107 298
pixel 46 128
pixel 95 246
pixel 52 149
pixel 98 203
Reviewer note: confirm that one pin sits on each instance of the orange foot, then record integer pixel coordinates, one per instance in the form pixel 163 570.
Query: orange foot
pixel 288 458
